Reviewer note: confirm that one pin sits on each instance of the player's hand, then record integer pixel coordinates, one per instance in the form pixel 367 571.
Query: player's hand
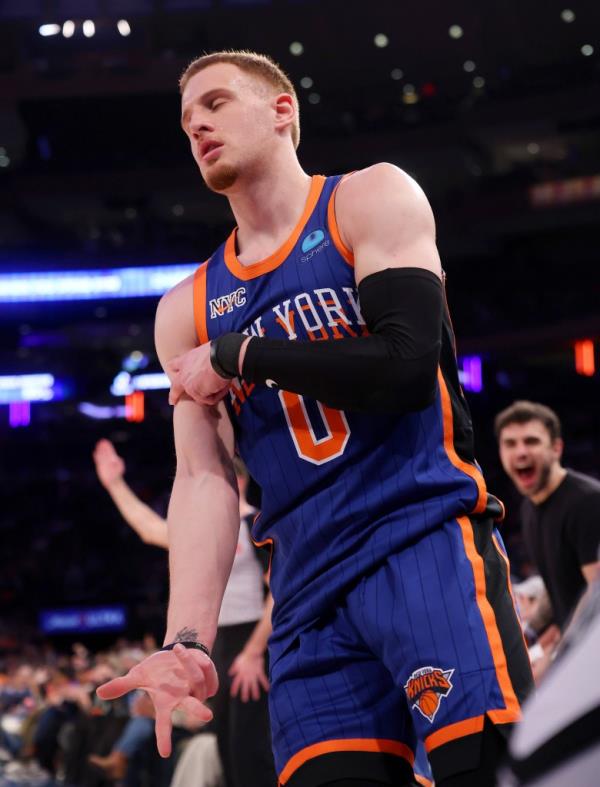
pixel 179 678
pixel 109 465
pixel 192 373
pixel 248 673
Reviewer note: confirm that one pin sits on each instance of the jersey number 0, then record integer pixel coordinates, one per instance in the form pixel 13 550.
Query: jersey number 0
pixel 317 451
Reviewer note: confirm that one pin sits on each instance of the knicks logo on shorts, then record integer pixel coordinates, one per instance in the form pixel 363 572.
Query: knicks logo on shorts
pixel 425 689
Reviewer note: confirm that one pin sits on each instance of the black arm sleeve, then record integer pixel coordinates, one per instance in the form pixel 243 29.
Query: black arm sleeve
pixel 393 369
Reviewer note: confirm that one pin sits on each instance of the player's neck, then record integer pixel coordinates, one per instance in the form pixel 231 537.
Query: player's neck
pixel 268 208
pixel 555 479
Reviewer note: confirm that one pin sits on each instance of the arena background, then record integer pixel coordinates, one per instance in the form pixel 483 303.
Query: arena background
pixel 494 107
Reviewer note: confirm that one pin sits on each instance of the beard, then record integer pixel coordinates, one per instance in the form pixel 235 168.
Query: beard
pixel 543 479
pixel 220 178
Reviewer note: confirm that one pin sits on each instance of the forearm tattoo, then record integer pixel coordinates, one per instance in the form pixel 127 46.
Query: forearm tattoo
pixel 186 634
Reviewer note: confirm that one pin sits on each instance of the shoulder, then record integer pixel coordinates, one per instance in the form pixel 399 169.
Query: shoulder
pixel 585 484
pixel 178 296
pixel 383 203
pixel 375 186
pixel 380 174
pixel 584 495
pixel 384 217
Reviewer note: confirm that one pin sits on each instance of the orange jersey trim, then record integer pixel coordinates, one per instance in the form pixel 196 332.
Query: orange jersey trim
pixel 264 543
pixel 247 272
pixel 502 516
pixel 453 731
pixel 512 707
pixel 504 716
pixel 467 468
pixel 344 744
pixel 199 291
pixel 422 780
pixel 334 230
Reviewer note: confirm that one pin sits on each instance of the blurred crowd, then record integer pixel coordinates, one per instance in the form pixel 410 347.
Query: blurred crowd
pixel 55 730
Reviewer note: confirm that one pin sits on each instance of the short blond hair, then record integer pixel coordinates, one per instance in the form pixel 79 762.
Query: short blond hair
pixel 261 66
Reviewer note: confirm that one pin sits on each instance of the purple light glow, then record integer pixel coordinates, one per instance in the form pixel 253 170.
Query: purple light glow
pixel 471 377
pixel 19 414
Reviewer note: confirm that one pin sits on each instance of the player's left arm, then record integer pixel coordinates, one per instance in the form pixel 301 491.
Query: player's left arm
pixel 385 218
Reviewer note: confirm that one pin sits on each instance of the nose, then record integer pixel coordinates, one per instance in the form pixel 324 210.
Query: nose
pixel 200 125
pixel 521 450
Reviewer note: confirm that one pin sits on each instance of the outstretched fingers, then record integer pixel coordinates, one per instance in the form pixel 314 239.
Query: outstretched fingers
pixel 117 687
pixel 196 710
pixel 163 728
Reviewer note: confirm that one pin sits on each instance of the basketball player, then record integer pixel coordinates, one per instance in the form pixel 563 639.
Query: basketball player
pixel 320 330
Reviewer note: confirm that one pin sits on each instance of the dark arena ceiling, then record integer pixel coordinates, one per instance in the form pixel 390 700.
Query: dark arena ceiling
pixel 493 106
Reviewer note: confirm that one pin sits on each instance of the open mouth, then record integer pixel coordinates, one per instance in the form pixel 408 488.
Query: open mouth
pixel 525 474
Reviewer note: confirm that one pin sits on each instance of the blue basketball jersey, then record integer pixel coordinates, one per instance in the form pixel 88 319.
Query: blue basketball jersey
pixel 340 490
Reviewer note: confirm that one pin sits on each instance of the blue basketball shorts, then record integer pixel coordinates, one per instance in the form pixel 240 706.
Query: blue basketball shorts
pixel 422 649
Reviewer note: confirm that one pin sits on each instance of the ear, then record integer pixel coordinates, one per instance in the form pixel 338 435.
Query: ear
pixel 285 111
pixel 558 447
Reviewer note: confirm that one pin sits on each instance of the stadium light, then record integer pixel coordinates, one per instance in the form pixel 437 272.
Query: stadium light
pixel 134 407
pixel 19 414
pixel 470 375
pixel 49 30
pixel 28 388
pixel 100 412
pixel 125 383
pixel 585 362
pixel 53 286
pixel 124 27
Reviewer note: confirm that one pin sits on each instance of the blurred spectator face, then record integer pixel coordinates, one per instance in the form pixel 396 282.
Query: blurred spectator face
pixel 527 607
pixel 528 454
pixel 528 595
pixel 23 677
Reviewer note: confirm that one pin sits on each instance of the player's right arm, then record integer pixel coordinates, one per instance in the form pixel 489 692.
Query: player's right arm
pixel 203 518
pixel 203 525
